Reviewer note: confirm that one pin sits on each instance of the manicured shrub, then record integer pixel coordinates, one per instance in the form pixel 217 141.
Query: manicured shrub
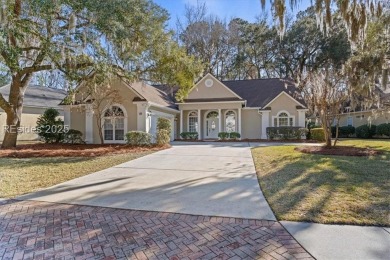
pixel 234 135
pixel 138 138
pixel 189 135
pixel 73 136
pixel 344 131
pixel 163 123
pixel 317 134
pixel 223 135
pixel 163 135
pixel 383 130
pixel 365 131
pixel 50 128
pixel 285 132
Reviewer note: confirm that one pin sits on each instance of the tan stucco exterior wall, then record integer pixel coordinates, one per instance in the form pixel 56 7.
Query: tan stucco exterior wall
pixel 251 124
pixel 283 103
pixel 77 119
pixel 217 90
pixel 29 120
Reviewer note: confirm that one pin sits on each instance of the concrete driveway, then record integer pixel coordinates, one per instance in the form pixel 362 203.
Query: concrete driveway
pixel 212 179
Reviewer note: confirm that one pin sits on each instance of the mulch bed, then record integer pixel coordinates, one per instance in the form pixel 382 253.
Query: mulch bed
pixel 338 150
pixel 73 150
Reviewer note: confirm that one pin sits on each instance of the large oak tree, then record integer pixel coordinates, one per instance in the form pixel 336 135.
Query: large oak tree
pixel 76 37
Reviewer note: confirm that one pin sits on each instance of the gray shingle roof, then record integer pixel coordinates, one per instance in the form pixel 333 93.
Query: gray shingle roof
pixel 37 96
pixel 259 92
pixel 153 94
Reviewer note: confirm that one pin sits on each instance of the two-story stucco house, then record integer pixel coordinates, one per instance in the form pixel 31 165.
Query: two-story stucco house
pixel 212 106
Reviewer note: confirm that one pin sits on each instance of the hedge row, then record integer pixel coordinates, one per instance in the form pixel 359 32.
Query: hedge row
pixel 285 132
pixel 226 135
pixel 363 131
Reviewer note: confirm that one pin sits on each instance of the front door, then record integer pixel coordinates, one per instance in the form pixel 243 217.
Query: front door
pixel 212 125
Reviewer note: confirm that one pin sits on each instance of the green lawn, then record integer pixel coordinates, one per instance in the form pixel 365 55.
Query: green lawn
pixel 20 176
pixel 326 189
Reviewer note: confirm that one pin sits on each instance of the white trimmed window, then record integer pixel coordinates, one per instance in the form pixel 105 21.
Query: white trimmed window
pixel 230 121
pixel 114 124
pixel 283 119
pixel 193 122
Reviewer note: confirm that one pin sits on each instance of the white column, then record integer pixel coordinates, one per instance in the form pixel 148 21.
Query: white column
pixel 88 124
pixel 142 119
pixel 264 123
pixel 172 128
pixel 199 125
pixel 301 117
pixel 239 122
pixel 181 122
pixel 220 120
pixel 67 116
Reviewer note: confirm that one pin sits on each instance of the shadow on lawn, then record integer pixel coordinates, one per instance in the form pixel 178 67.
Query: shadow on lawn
pixel 34 161
pixel 330 189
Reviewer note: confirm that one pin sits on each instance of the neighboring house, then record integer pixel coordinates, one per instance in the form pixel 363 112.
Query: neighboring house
pixel 358 118
pixel 36 100
pixel 373 116
pixel 212 106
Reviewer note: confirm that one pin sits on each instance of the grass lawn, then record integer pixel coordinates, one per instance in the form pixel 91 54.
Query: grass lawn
pixel 20 176
pixel 324 188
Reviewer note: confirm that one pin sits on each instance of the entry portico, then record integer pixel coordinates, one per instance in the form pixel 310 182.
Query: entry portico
pixel 247 107
pixel 210 118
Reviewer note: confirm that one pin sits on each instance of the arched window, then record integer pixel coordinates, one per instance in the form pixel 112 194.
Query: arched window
pixel 283 119
pixel 230 121
pixel 212 114
pixel 193 121
pixel 114 124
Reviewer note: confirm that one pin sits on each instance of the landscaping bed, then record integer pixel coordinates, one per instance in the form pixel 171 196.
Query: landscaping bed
pixel 72 150
pixel 339 150
pixel 326 188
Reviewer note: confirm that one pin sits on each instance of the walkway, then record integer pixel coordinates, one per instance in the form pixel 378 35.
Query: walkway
pixel 41 230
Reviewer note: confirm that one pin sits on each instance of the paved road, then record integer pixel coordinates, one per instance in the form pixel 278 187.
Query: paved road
pixel 41 230
pixel 212 179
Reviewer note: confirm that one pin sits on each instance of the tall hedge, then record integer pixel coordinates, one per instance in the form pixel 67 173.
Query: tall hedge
pixel 383 129
pixel 317 134
pixel 365 131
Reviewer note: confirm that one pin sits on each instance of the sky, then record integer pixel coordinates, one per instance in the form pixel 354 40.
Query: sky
pixel 245 9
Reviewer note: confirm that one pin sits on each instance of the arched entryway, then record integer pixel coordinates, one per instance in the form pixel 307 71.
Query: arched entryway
pixel 211 125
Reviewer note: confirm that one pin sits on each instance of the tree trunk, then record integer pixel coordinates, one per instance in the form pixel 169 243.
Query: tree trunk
pixel 100 126
pixel 11 134
pixel 14 114
pixel 327 131
pixel 328 137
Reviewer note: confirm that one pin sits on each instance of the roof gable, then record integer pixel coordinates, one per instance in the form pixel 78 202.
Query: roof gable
pixel 153 94
pixel 211 88
pixel 283 93
pixel 140 91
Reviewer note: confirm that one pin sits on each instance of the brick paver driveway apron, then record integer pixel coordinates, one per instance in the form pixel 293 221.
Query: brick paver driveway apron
pixel 212 179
